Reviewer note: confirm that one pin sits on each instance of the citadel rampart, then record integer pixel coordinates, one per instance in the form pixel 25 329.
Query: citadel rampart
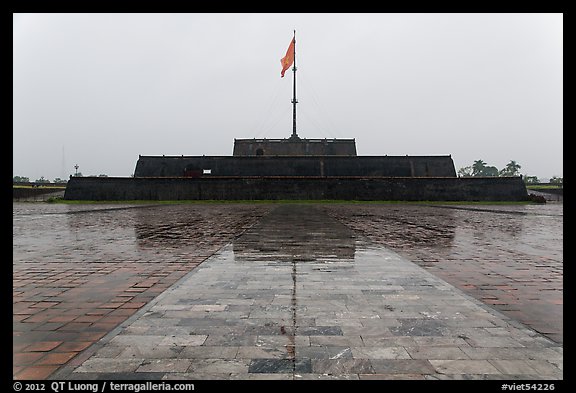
pixel 296 169
pixel 298 188
pixel 330 166
pixel 294 146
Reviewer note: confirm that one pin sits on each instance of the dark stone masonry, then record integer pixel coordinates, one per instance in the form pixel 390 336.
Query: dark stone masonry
pixel 297 188
pixel 294 146
pixel 297 169
pixel 324 166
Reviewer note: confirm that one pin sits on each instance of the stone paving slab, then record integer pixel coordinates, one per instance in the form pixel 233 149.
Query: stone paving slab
pixel 319 303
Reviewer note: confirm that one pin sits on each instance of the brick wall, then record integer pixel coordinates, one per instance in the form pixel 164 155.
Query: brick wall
pixel 337 166
pixel 301 188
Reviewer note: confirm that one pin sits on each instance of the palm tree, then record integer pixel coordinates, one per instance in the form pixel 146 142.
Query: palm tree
pixel 511 169
pixel 478 168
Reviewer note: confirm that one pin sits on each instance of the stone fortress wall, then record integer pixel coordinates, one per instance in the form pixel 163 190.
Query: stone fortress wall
pixel 330 166
pixel 296 169
pixel 298 188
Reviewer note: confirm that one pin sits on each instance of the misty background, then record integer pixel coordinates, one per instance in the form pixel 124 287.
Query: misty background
pixel 97 90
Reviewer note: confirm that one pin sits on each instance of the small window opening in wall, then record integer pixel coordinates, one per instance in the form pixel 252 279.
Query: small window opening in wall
pixel 207 172
pixel 259 152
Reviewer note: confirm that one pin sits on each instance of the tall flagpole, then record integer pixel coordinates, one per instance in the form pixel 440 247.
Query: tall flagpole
pixel 294 100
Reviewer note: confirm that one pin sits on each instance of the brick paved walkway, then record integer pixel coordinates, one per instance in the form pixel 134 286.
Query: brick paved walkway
pixel 79 273
pixel 301 296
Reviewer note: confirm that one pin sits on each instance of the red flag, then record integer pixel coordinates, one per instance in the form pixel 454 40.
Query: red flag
pixel 287 60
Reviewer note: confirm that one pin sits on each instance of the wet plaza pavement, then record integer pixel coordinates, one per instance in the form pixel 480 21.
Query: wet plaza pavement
pixel 287 291
pixel 507 256
pixel 80 270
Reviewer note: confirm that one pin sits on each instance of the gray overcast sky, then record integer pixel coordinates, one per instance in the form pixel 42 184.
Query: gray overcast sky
pixel 97 90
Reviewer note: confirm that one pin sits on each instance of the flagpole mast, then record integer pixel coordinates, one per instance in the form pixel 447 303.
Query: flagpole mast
pixel 294 100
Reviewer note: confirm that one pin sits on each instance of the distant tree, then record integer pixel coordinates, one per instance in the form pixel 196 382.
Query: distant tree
pixel 58 181
pixel 478 168
pixel 557 180
pixel 531 180
pixel 20 179
pixel 79 174
pixel 42 180
pixel 490 171
pixel 465 171
pixel 511 169
pixel 102 175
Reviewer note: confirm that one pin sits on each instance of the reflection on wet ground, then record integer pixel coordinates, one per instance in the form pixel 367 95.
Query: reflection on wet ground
pixel 80 270
pixel 177 227
pixel 507 256
pixel 299 295
pixel 294 236
pixel 302 237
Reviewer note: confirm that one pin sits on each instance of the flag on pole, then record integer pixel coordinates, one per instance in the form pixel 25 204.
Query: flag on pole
pixel 287 60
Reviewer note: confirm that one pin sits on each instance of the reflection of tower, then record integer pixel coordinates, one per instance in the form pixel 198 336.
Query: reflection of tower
pixel 285 236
